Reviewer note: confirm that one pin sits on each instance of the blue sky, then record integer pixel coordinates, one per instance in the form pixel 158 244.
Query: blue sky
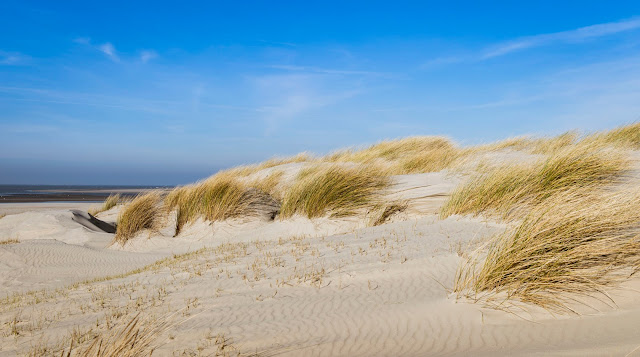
pixel 137 92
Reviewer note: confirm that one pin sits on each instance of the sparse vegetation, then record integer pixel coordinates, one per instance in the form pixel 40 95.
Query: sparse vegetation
pixel 335 189
pixel 9 241
pixel 501 189
pixel 108 204
pixel 384 212
pixel 144 212
pixel 571 244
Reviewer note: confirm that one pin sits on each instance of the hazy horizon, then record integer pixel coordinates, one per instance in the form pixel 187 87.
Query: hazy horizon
pixel 140 93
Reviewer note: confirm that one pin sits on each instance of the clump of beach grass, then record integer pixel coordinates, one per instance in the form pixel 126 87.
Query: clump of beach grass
pixel 220 197
pixel 108 204
pixel 382 213
pixel 334 189
pixel 625 136
pixel 403 156
pixel 534 145
pixel 269 184
pixel 143 212
pixel 501 189
pixel 573 244
pixel 131 338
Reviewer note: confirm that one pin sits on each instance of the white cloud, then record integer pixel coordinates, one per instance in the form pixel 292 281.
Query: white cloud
pixel 106 48
pixel 147 55
pixel 312 69
pixel 571 36
pixel 12 58
pixel 109 50
pixel 576 35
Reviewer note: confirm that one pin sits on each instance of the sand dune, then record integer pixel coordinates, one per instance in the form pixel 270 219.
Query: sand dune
pixel 313 287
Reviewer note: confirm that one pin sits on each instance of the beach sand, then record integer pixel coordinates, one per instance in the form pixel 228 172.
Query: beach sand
pixel 321 287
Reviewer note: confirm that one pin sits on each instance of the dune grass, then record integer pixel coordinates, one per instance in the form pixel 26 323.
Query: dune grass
pixel 403 156
pixel 132 338
pixel 500 189
pixel 108 204
pixel 534 145
pixel 570 245
pixel 143 212
pixel 333 189
pixel 382 213
pixel 625 136
pixel 220 197
pixel 269 184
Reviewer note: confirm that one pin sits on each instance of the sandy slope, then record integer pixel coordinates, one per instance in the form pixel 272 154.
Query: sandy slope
pixel 297 287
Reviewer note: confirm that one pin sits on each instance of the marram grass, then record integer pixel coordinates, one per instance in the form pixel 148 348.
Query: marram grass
pixel 337 190
pixel 220 197
pixel 143 212
pixel 627 136
pixel 501 189
pixel 570 245
pixel 108 204
pixel 404 156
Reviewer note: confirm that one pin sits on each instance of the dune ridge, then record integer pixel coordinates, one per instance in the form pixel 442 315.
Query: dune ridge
pixel 233 265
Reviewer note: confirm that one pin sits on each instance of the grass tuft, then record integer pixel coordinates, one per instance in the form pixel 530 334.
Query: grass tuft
pixel 409 155
pixel 142 213
pixel 333 189
pixel 384 212
pixel 129 339
pixel 501 189
pixel 108 204
pixel 570 245
pixel 220 197
pixel 626 136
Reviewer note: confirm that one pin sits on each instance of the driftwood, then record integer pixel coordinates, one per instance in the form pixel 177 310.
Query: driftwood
pixel 91 222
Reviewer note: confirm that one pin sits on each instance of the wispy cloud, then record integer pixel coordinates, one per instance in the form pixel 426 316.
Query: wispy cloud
pixel 576 35
pixel 109 50
pixel 287 96
pixel 12 58
pixel 312 69
pixel 106 48
pixel 147 55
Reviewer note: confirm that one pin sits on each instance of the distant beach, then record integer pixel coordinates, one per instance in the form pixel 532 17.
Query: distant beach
pixel 67 193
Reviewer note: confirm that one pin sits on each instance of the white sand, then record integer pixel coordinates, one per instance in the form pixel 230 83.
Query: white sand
pixel 321 287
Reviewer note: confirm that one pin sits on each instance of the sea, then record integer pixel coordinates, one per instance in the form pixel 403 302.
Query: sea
pixel 69 193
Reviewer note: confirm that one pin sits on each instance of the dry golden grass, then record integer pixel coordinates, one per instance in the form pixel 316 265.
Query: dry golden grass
pixel 133 338
pixel 501 189
pixel 276 161
pixel 246 170
pixel 269 184
pixel 333 189
pixel 383 213
pixel 2 215
pixel 543 145
pixel 403 156
pixel 570 245
pixel 625 136
pixel 144 212
pixel 220 197
pixel 108 204
pixel 9 241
